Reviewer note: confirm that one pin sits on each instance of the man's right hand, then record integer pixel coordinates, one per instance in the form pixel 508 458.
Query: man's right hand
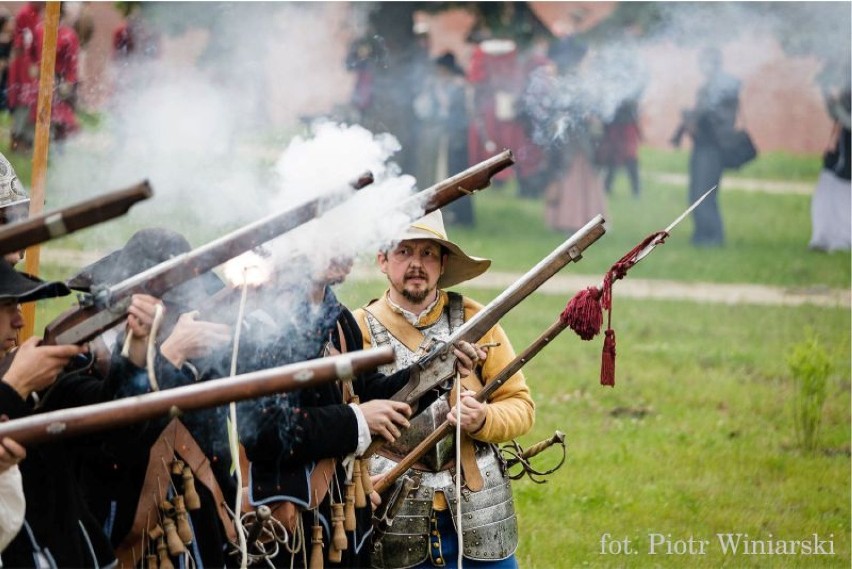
pixel 36 367
pixel 386 417
pixel 193 338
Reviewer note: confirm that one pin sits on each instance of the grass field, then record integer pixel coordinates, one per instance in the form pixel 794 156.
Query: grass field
pixel 697 437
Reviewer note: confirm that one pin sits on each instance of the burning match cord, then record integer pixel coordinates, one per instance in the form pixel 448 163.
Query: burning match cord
pixel 151 354
pixel 234 432
pixel 151 348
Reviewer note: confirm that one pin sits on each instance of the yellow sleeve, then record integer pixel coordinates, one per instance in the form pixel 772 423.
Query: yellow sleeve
pixel 511 411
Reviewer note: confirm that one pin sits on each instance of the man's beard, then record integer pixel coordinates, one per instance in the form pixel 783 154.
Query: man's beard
pixel 415 297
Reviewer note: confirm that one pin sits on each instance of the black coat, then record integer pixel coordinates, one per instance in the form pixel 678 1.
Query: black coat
pixel 325 427
pixel 58 522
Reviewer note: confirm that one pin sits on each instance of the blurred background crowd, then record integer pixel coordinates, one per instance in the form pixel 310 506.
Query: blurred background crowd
pixel 574 89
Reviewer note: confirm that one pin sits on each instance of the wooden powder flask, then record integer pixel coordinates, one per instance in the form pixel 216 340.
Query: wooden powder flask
pixel 193 502
pixel 338 538
pixel 316 548
pixel 365 476
pixel 167 508
pixel 176 546
pixel 184 530
pixel 151 561
pixel 163 555
pixel 156 533
pixel 349 507
pixel 360 495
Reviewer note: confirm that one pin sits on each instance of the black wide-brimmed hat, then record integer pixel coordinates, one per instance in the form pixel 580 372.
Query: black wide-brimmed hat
pixel 21 287
pixel 145 249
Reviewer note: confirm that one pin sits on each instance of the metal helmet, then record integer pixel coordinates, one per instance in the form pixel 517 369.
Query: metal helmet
pixel 14 201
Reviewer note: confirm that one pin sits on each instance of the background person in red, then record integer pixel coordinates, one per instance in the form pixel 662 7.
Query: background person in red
pixel 23 74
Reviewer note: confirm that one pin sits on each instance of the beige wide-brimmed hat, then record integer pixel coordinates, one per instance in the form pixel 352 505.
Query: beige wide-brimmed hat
pixel 460 267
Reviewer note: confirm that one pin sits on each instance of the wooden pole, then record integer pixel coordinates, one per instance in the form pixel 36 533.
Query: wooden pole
pixel 40 146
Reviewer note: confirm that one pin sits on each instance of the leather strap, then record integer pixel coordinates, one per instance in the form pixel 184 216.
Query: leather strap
pixel 174 440
pixel 408 335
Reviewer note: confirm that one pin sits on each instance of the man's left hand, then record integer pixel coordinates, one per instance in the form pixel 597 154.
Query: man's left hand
pixel 472 413
pixel 468 356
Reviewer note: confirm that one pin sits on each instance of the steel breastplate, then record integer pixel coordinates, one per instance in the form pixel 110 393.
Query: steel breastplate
pixel 421 427
pixel 489 525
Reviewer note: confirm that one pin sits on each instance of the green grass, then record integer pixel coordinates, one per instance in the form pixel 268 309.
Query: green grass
pixel 777 165
pixel 706 442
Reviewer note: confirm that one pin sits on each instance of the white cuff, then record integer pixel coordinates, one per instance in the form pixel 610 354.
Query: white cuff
pixel 364 438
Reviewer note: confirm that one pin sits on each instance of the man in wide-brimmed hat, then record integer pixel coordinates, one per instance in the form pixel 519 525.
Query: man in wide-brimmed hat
pixel 416 308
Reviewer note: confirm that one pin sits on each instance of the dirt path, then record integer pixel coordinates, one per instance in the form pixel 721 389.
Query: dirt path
pixel 567 285
pixel 735 183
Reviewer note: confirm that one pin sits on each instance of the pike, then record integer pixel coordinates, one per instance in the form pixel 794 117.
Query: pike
pixel 64 221
pixel 76 421
pixel 437 365
pixel 564 321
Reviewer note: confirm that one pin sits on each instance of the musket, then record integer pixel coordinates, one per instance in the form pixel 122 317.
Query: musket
pixel 438 362
pixel 64 221
pixel 474 179
pixel 107 306
pixel 55 425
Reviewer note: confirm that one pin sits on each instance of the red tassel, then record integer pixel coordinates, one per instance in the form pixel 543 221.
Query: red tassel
pixel 584 314
pixel 608 359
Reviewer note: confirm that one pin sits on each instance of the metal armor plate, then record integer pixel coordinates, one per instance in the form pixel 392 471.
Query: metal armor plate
pixel 489 525
pixel 421 427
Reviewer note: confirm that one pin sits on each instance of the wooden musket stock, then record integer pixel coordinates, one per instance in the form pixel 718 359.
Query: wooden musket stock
pixel 436 366
pixel 77 421
pixel 33 231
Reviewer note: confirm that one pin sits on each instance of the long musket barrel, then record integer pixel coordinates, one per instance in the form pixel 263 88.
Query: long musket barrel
pixel 477 177
pixel 64 221
pixel 76 421
pixel 109 305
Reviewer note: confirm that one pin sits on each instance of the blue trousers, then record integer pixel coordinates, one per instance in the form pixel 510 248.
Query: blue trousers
pixel 444 548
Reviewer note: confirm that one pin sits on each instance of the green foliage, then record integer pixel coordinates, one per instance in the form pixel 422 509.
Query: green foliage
pixel 810 365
